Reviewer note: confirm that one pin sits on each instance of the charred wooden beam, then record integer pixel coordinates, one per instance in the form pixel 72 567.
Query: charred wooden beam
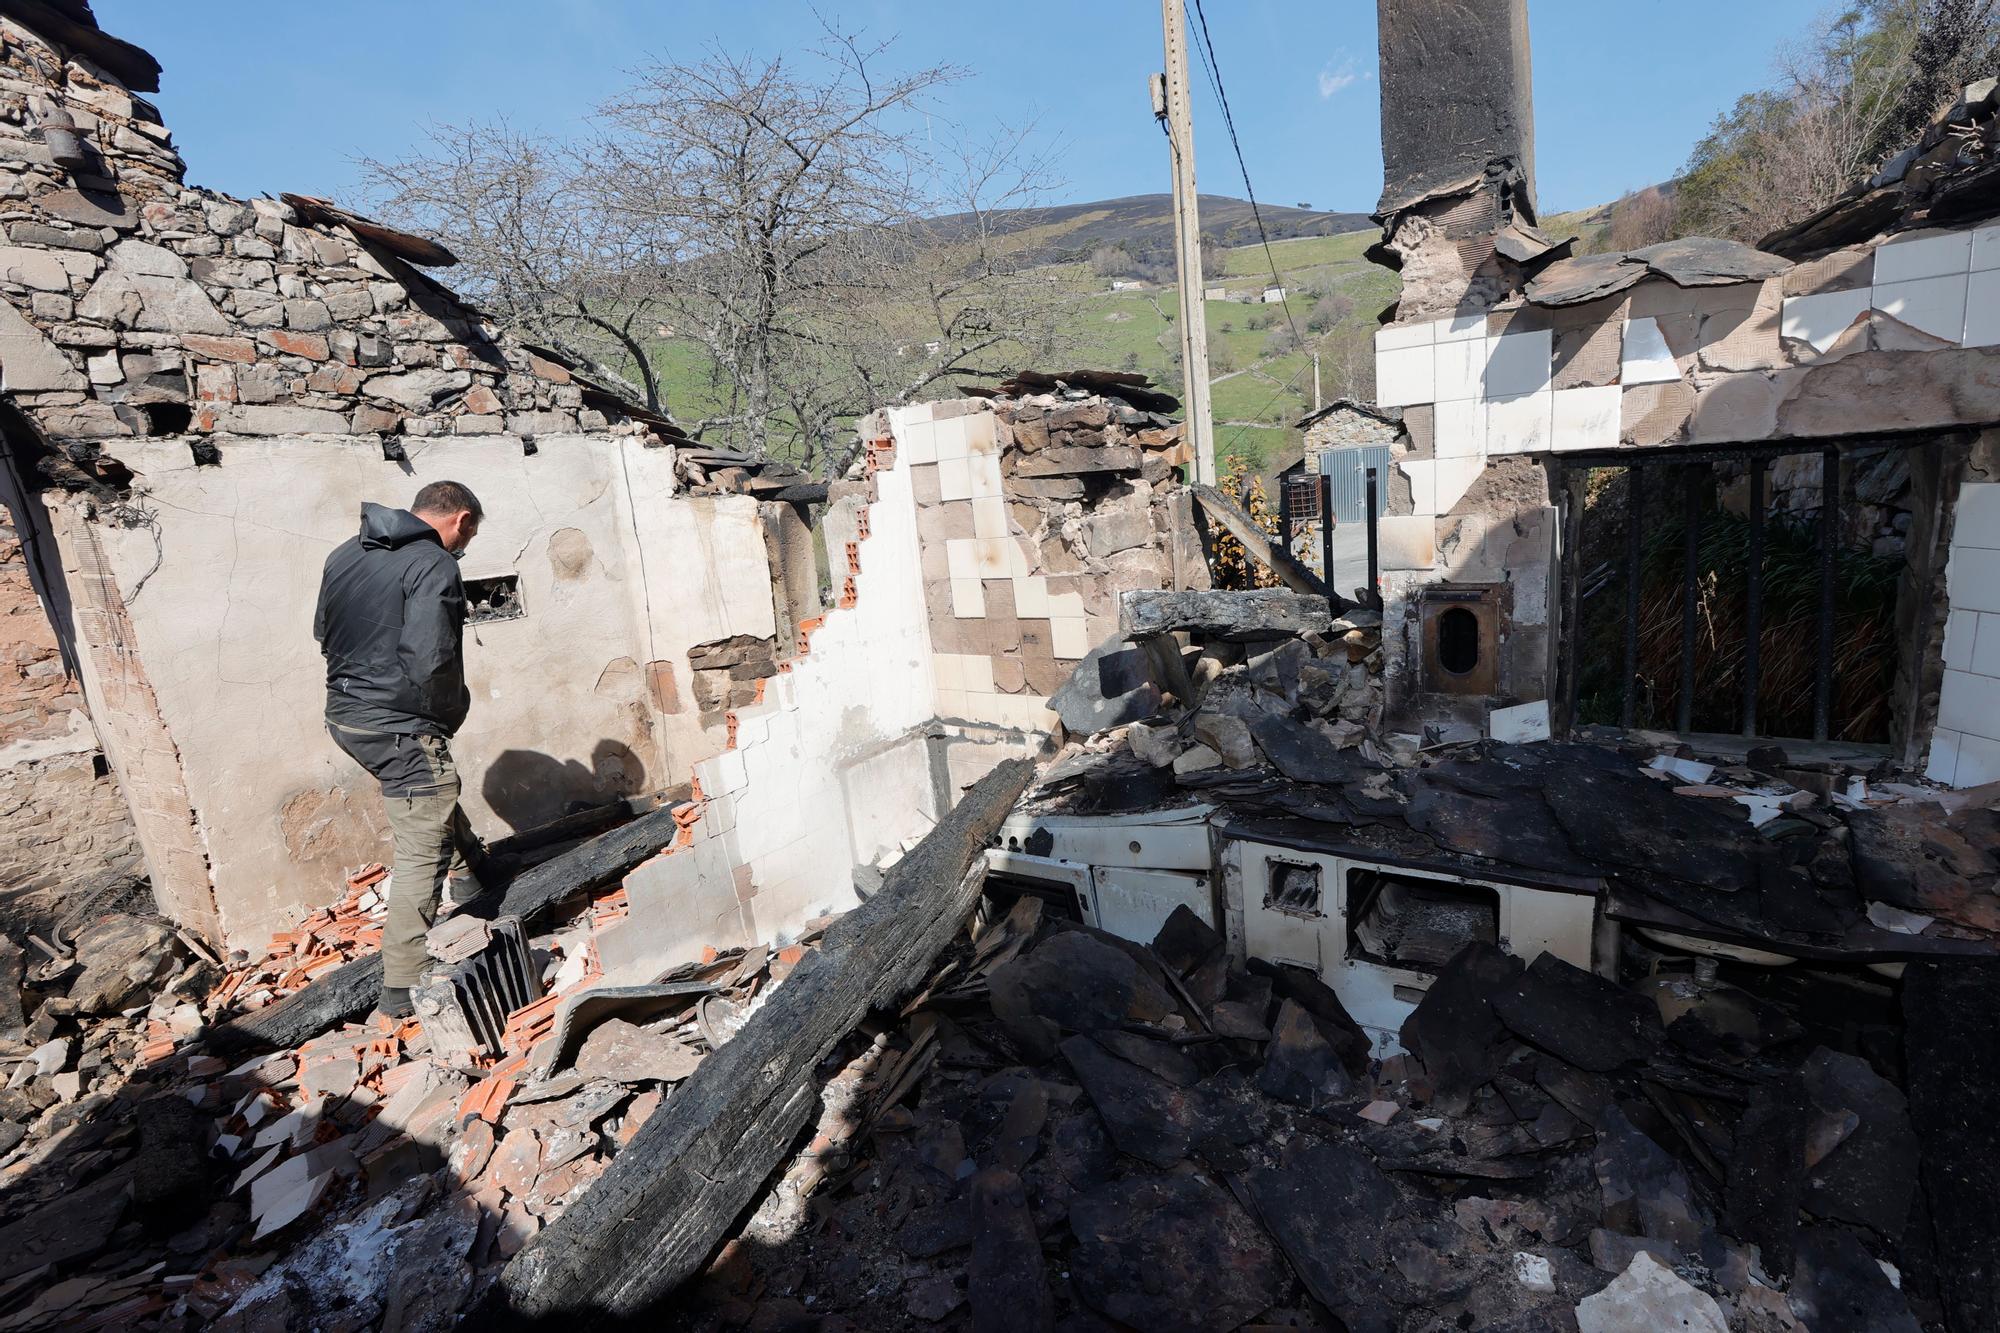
pixel 1829 538
pixel 350 990
pixel 652 1220
pixel 1694 478
pixel 1258 543
pixel 1753 611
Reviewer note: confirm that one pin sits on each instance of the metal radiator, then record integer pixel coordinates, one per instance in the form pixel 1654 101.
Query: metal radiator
pixel 464 1005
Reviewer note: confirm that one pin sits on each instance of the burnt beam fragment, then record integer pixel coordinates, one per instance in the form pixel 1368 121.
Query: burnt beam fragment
pixel 1951 1013
pixel 1258 544
pixel 673 1192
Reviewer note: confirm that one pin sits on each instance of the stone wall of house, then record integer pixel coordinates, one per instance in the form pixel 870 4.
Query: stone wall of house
pixel 38 698
pixel 1035 512
pixel 137 306
pixel 1345 423
pixel 209 387
pixel 64 830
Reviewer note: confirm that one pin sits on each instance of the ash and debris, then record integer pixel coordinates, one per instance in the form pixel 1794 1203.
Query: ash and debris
pixel 1070 1130
pixel 364 1178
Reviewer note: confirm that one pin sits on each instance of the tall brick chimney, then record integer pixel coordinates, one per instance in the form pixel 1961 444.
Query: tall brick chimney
pixel 1457 99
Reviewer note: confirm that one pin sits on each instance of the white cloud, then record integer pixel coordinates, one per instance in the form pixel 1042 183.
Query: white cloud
pixel 1333 78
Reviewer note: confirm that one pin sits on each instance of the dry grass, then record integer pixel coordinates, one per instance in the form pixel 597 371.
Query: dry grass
pixel 1864 663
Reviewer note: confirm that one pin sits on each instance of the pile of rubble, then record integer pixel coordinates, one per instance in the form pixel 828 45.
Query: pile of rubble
pixel 1086 455
pixel 1067 1129
pixel 1821 858
pixel 1273 678
pixel 326 938
pixel 151 1183
pixel 708 470
pixel 77 1020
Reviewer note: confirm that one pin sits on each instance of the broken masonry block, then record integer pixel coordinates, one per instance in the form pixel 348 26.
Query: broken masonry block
pixel 1263 613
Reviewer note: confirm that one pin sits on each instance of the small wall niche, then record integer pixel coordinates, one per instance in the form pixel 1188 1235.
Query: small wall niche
pixel 1461 638
pixel 496 598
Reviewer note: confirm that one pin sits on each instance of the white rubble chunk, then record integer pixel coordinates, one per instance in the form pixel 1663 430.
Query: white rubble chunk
pixel 1649 1297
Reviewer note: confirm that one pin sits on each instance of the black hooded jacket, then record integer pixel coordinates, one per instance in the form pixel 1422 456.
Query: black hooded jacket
pixel 390 619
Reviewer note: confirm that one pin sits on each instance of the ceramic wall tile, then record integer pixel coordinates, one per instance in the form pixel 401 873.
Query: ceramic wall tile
pixel 1406 375
pixel 1518 363
pixel 1900 259
pixel 1822 317
pixel 1646 358
pixel 1930 305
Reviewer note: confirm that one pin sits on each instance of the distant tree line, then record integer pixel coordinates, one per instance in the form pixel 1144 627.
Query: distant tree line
pixel 1851 93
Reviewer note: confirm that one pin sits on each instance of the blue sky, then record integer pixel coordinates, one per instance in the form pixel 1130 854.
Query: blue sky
pixel 266 96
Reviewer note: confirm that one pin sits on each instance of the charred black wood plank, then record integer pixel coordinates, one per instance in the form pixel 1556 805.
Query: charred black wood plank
pixel 672 1194
pixel 1258 544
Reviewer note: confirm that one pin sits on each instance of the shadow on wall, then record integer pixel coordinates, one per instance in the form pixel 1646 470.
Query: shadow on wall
pixel 527 788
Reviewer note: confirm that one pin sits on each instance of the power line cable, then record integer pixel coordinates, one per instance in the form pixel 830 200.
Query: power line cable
pixel 1213 67
pixel 1237 434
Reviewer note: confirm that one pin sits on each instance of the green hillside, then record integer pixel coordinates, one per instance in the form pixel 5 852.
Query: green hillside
pixel 1261 382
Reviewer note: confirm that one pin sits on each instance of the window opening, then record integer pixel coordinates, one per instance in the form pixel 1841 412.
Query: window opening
pixel 497 598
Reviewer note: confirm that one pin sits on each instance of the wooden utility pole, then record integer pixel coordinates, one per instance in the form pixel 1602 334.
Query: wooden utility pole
pixel 1315 378
pixel 1170 106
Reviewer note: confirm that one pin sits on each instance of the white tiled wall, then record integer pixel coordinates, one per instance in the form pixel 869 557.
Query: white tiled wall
pixel 780 823
pixel 1965 748
pixel 1493 393
pixel 1946 285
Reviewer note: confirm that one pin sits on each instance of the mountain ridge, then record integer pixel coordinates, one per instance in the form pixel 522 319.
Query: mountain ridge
pixel 1143 225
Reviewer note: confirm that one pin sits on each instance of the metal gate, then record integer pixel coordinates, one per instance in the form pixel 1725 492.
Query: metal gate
pixel 1347 468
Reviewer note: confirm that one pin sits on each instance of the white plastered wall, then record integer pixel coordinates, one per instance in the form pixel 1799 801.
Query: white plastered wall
pixel 860 690
pixel 562 711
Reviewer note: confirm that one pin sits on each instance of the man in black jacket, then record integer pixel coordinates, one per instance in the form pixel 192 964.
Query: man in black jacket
pixel 391 614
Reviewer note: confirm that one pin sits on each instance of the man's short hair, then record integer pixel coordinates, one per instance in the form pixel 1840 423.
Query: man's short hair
pixel 446 497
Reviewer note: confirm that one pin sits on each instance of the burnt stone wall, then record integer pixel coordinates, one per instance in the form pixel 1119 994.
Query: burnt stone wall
pixel 64 832
pixel 138 306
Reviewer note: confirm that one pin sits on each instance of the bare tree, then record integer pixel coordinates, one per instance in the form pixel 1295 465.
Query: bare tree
pixel 1347 365
pixel 532 250
pixel 1328 312
pixel 1644 217
pixel 1849 95
pixel 805 230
